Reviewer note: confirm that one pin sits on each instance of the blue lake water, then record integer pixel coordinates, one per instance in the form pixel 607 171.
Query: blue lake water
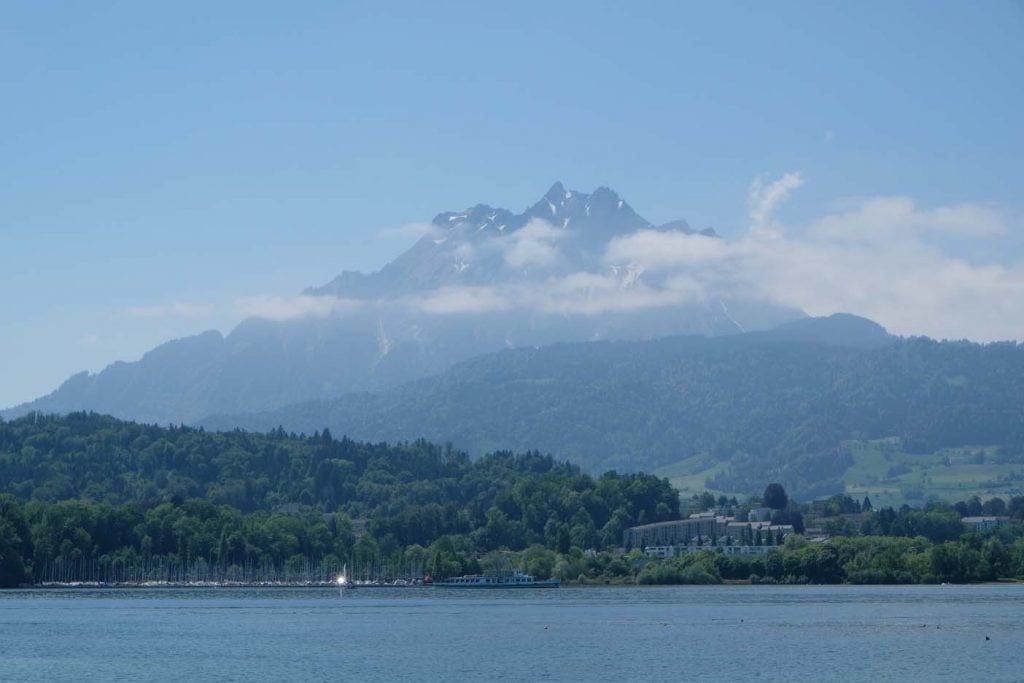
pixel 743 633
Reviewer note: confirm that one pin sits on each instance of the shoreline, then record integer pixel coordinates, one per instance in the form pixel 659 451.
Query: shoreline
pixel 86 585
pixel 95 585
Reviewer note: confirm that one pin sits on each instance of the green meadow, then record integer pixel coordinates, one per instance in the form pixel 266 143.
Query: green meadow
pixel 889 475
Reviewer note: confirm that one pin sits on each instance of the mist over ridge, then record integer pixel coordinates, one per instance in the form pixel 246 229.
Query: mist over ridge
pixel 566 269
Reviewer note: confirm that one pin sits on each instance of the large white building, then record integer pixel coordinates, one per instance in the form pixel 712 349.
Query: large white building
pixel 724 530
pixel 983 524
pixel 676 532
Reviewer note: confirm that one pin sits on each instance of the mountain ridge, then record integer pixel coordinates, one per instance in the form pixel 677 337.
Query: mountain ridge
pixel 472 285
pixel 760 406
pixel 587 222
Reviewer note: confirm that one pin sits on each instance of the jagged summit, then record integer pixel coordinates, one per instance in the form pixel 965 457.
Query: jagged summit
pixel 481 216
pixel 558 206
pixel 557 190
pixel 601 209
pixel 470 246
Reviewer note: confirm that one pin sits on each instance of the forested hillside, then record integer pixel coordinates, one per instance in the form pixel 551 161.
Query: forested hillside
pixel 772 406
pixel 93 485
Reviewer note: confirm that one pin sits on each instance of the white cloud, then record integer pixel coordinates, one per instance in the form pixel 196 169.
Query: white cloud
pixel 179 309
pixel 574 294
pixel 764 199
pixel 654 249
pixel 289 308
pixel 532 245
pixel 877 258
pixel 888 219
pixel 910 287
pixel 593 294
pixel 458 299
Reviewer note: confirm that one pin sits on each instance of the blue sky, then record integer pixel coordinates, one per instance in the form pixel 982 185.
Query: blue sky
pixel 161 163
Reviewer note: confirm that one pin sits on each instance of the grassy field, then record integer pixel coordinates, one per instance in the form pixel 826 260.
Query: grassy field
pixel 891 476
pixel 887 474
pixel 690 475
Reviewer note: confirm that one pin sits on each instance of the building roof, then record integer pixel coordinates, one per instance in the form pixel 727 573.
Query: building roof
pixel 655 525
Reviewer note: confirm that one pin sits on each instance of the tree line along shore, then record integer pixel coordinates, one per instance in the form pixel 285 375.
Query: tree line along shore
pixel 89 499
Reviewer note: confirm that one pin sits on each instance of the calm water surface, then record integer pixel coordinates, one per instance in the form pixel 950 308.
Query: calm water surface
pixel 743 633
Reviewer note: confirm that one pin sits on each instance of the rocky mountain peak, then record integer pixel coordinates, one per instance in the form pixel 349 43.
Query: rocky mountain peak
pixel 450 255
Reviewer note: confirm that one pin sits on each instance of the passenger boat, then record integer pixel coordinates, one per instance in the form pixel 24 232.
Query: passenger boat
pixel 513 579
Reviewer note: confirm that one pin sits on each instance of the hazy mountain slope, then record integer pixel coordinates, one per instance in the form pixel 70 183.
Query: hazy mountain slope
pixel 773 405
pixel 483 279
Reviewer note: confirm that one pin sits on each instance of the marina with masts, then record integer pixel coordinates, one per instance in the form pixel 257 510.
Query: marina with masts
pixel 159 572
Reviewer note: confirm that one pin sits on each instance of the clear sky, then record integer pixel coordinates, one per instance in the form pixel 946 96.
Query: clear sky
pixel 162 162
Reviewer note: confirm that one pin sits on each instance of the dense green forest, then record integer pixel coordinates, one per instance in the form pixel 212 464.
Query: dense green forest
pixel 197 541
pixel 88 487
pixel 769 406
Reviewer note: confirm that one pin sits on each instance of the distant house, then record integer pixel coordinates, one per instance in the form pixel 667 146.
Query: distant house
pixel 983 524
pixel 759 515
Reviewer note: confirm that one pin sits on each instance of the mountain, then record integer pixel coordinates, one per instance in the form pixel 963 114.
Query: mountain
pixel 472 247
pixel 755 407
pixel 478 281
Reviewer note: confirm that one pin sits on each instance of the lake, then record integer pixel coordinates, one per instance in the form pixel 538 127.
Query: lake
pixel 744 633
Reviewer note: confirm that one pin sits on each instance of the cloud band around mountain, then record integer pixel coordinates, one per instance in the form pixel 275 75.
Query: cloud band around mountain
pixel 876 257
